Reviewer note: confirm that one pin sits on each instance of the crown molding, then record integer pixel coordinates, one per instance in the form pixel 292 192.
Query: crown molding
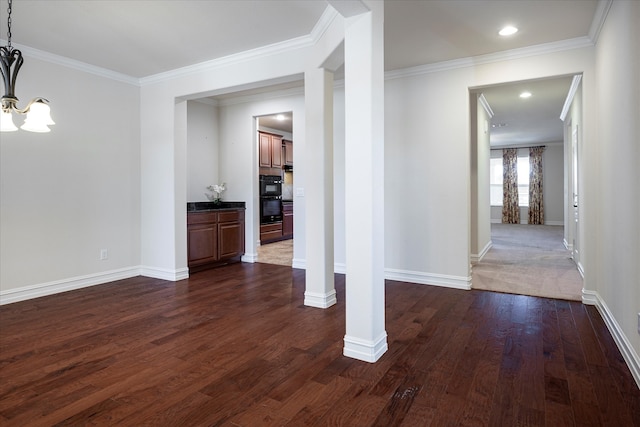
pixel 602 10
pixel 73 64
pixel 273 49
pixel 485 104
pixel 575 84
pixel 323 24
pixel 524 52
pixel 328 16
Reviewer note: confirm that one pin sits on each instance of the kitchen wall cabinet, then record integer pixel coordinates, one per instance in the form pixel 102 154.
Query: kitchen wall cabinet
pixel 270 148
pixel 288 152
pixel 287 220
pixel 214 237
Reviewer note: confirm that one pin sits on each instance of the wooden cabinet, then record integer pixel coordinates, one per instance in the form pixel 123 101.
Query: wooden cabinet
pixel 214 237
pixel 202 238
pixel 287 220
pixel 288 152
pixel 270 232
pixel 230 234
pixel 270 148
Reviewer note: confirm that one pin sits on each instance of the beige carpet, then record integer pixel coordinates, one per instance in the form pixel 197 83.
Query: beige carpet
pixel 528 260
pixel 280 253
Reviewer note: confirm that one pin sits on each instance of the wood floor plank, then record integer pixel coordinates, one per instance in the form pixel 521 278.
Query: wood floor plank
pixel 236 346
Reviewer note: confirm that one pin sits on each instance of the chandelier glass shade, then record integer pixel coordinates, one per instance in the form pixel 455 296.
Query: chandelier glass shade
pixel 37 110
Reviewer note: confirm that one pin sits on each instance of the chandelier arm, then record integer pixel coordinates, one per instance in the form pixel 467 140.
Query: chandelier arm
pixel 26 109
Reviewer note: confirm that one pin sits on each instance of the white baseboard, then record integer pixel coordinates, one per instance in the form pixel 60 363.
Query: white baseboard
pixel 251 258
pixel 628 353
pixel 365 350
pixel 313 299
pixel 300 263
pixel 164 273
pixel 64 285
pixel 567 245
pixel 554 223
pixel 580 269
pixel 447 281
pixel 475 258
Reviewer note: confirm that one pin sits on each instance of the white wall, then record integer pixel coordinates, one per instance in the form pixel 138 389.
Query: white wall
pixel 427 176
pixel 202 150
pixel 67 194
pixel 615 234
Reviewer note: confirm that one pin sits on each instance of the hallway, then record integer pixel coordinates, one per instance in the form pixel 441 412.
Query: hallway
pixel 528 260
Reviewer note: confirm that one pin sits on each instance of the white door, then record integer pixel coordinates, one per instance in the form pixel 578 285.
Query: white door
pixel 576 218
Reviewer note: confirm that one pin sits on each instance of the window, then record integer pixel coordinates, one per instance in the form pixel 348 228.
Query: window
pixel 495 181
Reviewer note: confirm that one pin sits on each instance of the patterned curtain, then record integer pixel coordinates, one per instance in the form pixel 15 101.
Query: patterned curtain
pixel 510 209
pixel 536 204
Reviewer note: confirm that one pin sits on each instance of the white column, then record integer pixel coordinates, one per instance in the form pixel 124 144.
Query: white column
pixel 320 289
pixel 366 338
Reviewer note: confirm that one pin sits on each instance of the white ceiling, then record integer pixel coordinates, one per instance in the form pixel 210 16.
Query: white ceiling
pixel 140 38
pixel 527 121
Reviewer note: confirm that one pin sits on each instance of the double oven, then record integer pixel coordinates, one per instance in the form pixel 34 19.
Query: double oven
pixel 270 199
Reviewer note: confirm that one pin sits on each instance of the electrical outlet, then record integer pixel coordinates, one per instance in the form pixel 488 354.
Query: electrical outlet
pixel 104 254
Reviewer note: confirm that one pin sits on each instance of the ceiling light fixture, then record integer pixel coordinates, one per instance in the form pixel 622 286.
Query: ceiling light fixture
pixel 37 110
pixel 508 30
pixel 280 117
pixel 525 95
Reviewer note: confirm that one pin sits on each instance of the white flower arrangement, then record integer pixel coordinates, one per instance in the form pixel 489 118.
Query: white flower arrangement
pixel 217 190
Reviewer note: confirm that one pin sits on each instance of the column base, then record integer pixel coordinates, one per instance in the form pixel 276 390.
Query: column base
pixel 366 350
pixel 313 299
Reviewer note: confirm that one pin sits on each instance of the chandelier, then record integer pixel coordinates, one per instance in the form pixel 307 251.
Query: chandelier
pixel 37 110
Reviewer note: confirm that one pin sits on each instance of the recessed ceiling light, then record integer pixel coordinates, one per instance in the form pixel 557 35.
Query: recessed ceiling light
pixel 525 95
pixel 508 30
pixel 280 117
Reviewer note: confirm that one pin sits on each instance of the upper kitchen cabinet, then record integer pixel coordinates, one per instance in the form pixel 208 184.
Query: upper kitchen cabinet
pixel 288 152
pixel 270 150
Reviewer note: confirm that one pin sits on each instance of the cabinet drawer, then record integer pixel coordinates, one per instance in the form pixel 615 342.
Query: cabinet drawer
pixel 269 232
pixel 268 228
pixel 202 218
pixel 231 216
pixel 287 207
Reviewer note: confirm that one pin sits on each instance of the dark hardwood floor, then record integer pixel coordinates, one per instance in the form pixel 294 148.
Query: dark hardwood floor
pixel 236 346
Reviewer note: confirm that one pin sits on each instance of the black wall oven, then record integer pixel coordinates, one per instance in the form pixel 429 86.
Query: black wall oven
pixel 270 209
pixel 270 199
pixel 270 186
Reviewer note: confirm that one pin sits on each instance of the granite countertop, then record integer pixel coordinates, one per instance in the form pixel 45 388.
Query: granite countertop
pixel 212 206
pixel 287 201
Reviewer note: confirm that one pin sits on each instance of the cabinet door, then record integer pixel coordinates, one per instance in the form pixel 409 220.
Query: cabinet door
pixel 231 241
pixel 265 150
pixel 287 225
pixel 203 246
pixel 288 153
pixel 276 151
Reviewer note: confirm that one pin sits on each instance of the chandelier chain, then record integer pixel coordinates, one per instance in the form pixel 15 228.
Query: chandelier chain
pixel 9 25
